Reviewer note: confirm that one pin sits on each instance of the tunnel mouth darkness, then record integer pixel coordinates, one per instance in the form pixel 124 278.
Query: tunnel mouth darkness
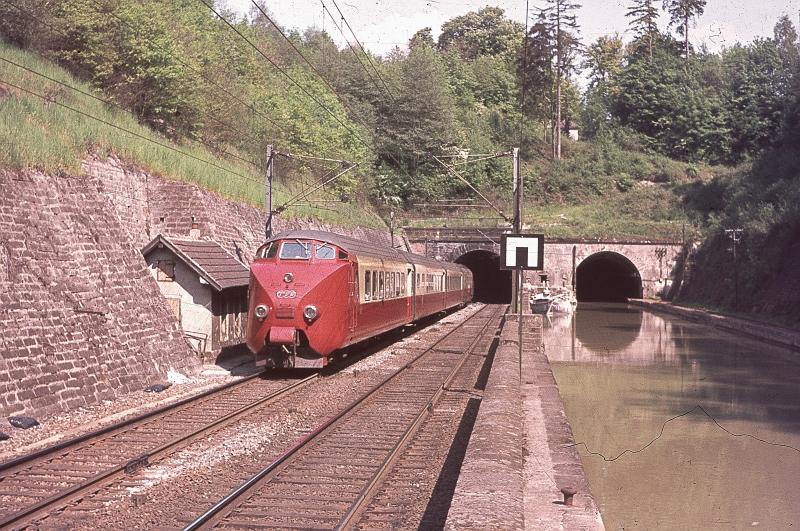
pixel 492 285
pixel 607 277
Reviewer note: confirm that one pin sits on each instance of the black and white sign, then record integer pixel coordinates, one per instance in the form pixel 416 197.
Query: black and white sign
pixel 522 251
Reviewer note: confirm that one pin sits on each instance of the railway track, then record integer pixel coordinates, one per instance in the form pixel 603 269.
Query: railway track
pixel 328 479
pixel 36 484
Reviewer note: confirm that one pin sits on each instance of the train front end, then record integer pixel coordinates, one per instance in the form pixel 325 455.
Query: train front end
pixel 300 289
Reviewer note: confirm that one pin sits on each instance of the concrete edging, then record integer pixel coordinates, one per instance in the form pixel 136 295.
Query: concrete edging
pixel 774 334
pixel 489 492
pixel 521 451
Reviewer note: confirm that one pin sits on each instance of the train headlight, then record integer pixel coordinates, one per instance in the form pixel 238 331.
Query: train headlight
pixel 288 277
pixel 310 312
pixel 262 311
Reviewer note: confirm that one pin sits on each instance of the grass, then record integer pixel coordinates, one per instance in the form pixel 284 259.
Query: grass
pixel 40 133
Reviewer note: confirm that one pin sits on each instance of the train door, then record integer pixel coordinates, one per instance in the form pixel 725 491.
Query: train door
pixel 411 289
pixel 353 305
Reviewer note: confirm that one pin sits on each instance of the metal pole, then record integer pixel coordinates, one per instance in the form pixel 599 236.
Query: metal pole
pixel 517 187
pixel 391 227
pixel 268 227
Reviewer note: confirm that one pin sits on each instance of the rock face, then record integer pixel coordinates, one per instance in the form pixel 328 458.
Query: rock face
pixel 81 319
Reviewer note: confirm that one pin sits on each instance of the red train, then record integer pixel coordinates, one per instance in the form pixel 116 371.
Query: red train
pixel 313 293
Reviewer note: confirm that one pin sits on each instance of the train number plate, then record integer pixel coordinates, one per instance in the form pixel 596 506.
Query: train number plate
pixel 286 294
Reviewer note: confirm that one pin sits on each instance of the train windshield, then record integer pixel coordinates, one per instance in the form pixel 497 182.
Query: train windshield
pixel 296 250
pixel 268 250
pixel 325 251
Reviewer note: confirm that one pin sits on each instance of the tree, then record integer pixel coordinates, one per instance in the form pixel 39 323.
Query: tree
pixel 486 32
pixel 420 122
pixel 682 12
pixel 562 18
pixel 644 22
pixel 535 69
pixel 756 97
pixel 423 37
pixel 788 46
pixel 603 59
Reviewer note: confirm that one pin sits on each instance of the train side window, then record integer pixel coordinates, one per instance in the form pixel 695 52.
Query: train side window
pixel 402 283
pixel 396 284
pixel 381 280
pixel 342 255
pixel 272 252
pixel 374 285
pixel 367 286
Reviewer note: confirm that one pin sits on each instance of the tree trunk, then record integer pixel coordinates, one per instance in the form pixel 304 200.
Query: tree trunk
pixel 557 124
pixel 686 34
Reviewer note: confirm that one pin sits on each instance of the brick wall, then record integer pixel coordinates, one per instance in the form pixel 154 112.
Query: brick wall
pixel 81 319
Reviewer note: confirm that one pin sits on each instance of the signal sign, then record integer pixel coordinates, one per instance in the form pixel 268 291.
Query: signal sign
pixel 522 251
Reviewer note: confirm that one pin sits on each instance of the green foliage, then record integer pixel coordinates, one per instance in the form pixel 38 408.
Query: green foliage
pixel 48 137
pixel 486 32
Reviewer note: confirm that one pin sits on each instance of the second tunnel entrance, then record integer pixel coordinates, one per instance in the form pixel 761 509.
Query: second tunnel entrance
pixel 492 285
pixel 607 277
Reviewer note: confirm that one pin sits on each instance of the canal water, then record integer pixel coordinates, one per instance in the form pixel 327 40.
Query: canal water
pixel 624 372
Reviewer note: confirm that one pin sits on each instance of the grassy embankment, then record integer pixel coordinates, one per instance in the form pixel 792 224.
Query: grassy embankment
pixel 44 135
pixel 598 190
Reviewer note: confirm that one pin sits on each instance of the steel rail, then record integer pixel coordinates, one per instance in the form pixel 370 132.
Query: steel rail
pixel 366 494
pixel 63 497
pixel 28 458
pixel 214 514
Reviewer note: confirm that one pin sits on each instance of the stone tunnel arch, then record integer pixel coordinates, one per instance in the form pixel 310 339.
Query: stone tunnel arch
pixel 607 277
pixel 491 284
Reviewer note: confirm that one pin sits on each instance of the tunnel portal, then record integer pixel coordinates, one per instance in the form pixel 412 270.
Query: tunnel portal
pixel 492 285
pixel 607 277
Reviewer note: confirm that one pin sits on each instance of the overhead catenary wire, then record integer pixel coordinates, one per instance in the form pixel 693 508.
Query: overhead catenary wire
pixel 352 48
pixel 369 58
pixel 284 73
pixel 303 195
pixel 460 177
pixel 118 106
pixel 100 9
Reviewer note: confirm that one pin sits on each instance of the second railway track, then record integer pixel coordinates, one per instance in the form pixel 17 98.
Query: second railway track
pixel 328 479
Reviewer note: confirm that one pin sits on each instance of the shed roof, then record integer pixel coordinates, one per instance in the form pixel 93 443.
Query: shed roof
pixel 207 258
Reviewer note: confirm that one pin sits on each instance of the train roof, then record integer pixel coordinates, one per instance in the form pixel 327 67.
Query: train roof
pixel 364 248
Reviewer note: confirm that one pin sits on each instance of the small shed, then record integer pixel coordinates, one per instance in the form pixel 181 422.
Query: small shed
pixel 206 288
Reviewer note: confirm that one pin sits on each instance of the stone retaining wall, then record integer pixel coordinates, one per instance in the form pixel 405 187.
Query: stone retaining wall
pixel 149 205
pixel 81 319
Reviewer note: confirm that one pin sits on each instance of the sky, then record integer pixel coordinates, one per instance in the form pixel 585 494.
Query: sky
pixel 381 25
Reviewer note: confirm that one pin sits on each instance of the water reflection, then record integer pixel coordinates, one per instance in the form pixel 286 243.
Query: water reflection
pixel 623 371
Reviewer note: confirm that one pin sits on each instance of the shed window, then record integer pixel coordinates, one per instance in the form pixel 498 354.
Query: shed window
pixel 165 271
